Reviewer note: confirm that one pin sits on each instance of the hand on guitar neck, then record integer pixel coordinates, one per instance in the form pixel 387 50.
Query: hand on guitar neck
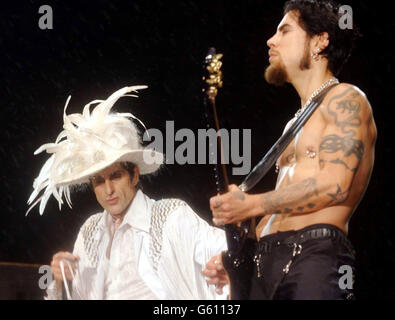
pixel 234 206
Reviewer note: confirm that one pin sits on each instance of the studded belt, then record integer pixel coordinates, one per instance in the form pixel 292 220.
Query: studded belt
pixel 297 239
pixel 304 235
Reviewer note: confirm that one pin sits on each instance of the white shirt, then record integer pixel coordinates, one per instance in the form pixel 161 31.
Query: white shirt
pixel 122 281
pixel 158 252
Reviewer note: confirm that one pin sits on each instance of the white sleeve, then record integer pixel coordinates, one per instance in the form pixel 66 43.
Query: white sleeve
pixel 52 291
pixel 188 244
pixel 76 284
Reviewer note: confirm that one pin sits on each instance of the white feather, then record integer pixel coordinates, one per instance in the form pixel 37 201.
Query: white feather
pixel 86 112
pixel 44 147
pixel 65 106
pixel 33 205
pixel 82 136
pixel 48 192
pixel 67 196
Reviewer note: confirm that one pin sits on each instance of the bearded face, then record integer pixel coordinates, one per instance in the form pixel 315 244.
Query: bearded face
pixel 276 72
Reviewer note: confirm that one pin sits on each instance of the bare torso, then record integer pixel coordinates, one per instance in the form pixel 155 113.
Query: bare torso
pixel 301 160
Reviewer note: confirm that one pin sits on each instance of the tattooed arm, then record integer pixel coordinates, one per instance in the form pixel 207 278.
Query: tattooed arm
pixel 347 116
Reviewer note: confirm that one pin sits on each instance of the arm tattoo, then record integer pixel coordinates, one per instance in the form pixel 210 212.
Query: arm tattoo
pixel 338 161
pixel 284 200
pixel 338 197
pixel 345 110
pixel 333 143
pixel 346 113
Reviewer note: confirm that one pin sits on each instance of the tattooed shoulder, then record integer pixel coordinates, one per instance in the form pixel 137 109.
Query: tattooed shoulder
pixel 346 105
pixel 347 112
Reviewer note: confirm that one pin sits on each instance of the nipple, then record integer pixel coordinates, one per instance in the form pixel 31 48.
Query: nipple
pixel 310 152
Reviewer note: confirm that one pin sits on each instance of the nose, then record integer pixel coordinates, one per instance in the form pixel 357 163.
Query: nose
pixel 271 42
pixel 109 187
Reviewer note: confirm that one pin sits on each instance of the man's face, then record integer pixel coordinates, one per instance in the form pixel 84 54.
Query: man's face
pixel 114 189
pixel 289 50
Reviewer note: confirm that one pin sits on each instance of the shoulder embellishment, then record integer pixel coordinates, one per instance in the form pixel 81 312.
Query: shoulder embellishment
pixel 159 213
pixel 89 231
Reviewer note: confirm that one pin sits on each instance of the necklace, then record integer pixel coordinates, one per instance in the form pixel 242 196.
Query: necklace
pixel 315 93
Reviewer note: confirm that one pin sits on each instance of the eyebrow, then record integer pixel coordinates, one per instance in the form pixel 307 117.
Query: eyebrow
pixel 286 25
pixel 110 174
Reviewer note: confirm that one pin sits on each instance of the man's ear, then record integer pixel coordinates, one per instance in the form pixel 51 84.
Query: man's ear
pixel 136 177
pixel 323 41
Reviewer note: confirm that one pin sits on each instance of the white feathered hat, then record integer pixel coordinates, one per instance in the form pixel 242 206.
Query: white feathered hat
pixel 90 142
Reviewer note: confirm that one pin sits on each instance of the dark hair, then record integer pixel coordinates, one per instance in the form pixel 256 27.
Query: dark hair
pixel 129 167
pixel 316 17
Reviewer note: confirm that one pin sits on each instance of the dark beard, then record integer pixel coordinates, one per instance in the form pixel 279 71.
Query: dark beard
pixel 276 75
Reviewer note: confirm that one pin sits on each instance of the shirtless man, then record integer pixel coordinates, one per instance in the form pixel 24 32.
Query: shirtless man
pixel 323 173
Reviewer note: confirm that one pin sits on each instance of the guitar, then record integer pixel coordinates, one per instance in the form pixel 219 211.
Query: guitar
pixel 236 260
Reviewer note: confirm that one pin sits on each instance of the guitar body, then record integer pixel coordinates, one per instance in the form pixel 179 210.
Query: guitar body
pixel 239 268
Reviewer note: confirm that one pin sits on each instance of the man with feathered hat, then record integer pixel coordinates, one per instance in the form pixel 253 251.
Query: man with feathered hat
pixel 137 248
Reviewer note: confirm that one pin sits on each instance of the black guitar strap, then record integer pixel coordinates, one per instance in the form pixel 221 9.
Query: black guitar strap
pixel 260 170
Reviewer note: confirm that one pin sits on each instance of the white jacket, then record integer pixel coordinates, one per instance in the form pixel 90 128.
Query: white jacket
pixel 171 246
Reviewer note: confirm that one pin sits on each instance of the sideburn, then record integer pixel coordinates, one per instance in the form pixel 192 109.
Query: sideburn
pixel 305 62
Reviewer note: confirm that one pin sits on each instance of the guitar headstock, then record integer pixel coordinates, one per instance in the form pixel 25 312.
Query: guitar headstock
pixel 212 81
pixel 213 73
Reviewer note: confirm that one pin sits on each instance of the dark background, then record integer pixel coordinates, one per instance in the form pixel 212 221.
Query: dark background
pixel 97 47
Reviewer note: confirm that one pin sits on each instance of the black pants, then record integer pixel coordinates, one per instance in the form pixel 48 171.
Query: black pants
pixel 315 262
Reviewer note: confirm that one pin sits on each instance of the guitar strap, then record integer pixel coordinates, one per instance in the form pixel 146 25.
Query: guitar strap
pixel 237 260
pixel 264 165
